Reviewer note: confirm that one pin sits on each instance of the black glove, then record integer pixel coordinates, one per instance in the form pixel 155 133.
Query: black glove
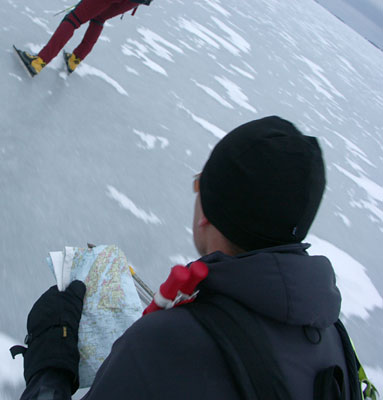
pixel 53 332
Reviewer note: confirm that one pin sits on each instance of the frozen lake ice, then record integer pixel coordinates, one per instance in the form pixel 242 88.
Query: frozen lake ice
pixel 107 155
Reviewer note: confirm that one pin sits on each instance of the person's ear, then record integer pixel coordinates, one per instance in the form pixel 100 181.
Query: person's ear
pixel 203 221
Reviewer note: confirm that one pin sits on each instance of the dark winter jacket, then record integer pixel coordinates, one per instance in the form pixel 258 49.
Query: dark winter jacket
pixel 168 355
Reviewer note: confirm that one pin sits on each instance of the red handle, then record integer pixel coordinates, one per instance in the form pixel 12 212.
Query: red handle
pixel 198 272
pixel 180 279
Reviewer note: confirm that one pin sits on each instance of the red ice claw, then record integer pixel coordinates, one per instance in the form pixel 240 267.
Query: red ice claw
pixel 179 287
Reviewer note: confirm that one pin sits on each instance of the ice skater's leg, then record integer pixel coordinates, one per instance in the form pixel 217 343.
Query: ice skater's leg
pixel 84 11
pixel 90 38
pixel 96 25
pixel 63 33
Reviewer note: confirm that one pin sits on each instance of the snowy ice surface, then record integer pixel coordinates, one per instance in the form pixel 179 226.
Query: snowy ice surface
pixel 374 190
pixel 150 140
pixel 11 370
pixel 85 69
pixel 359 295
pixel 214 95
pixel 219 133
pixel 107 154
pixel 209 37
pixel 128 204
pixel 216 5
pixel 235 93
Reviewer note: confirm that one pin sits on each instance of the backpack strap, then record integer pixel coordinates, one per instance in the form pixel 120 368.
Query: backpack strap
pixel 251 362
pixel 356 373
pixel 329 384
pixel 355 393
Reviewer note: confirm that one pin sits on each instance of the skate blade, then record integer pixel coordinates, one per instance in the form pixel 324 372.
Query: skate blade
pixel 65 56
pixel 18 54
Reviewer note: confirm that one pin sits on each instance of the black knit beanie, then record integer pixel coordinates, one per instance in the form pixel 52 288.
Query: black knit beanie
pixel 263 183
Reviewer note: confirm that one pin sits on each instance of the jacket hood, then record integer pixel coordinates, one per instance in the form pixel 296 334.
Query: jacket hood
pixel 283 283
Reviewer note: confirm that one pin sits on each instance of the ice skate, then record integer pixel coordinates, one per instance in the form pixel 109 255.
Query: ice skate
pixel 71 61
pixel 32 63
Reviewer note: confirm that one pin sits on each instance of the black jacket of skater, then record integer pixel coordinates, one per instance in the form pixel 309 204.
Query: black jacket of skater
pixel 256 199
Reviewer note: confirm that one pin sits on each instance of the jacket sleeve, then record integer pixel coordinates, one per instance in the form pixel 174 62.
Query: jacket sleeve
pixel 49 384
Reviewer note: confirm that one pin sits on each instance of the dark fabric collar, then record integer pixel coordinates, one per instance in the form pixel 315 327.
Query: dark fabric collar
pixel 284 283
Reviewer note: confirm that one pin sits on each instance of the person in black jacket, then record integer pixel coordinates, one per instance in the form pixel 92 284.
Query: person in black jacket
pixel 256 199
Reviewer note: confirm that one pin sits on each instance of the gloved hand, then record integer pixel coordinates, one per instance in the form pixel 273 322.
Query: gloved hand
pixel 53 332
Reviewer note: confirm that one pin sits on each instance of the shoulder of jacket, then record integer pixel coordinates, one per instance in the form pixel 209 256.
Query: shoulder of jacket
pixel 169 323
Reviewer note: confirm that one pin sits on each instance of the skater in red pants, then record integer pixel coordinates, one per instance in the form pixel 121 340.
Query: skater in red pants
pixel 94 11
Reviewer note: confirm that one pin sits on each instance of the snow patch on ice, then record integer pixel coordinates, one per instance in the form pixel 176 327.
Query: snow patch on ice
pixel 207 36
pixel 321 116
pixel 318 72
pixel 40 22
pixel 235 93
pixel 155 67
pixel 214 95
pixel 373 208
pixel 234 37
pixel 354 149
pixel 11 370
pixel 188 230
pixel 355 166
pixel 12 3
pixel 154 40
pixel 163 141
pixel 247 65
pixel 242 72
pixel 217 7
pixel 186 45
pixel 359 295
pixel 19 78
pixel 317 85
pixel 345 219
pixel 219 133
pixel 138 50
pixel 85 69
pixel 224 67
pixel 155 43
pixel 326 141
pixel 34 48
pixel 128 204
pixel 150 140
pixel 131 70
pixel 373 189
pixel 288 38
pixel 347 63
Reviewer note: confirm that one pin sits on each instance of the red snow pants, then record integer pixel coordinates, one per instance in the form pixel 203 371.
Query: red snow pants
pixel 95 11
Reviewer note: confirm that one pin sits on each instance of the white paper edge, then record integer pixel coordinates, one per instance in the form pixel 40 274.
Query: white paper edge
pixel 57 258
pixel 67 266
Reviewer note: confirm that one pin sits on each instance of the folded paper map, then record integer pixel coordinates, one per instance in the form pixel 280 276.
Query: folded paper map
pixel 111 302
